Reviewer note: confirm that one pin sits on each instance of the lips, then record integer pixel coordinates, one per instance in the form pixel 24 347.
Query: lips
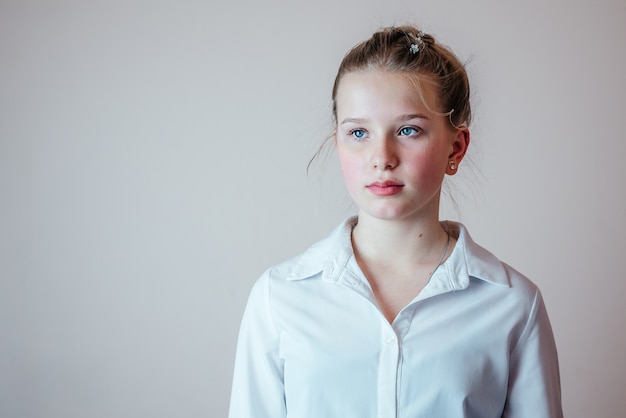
pixel 385 188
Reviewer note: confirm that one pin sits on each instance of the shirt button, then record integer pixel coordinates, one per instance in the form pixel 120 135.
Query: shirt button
pixel 391 340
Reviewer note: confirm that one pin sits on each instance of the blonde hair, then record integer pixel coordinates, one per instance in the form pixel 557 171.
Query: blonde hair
pixel 406 49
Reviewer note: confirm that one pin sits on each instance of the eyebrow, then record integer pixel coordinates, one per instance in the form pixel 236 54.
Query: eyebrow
pixel 399 119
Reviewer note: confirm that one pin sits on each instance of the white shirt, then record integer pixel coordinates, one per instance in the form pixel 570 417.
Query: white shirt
pixel 476 342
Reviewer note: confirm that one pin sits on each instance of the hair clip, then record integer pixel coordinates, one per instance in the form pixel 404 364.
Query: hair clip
pixel 415 47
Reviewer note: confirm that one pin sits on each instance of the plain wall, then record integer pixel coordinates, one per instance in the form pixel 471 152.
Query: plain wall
pixel 153 163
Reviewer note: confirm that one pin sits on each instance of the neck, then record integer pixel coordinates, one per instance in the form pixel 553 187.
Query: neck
pixel 398 240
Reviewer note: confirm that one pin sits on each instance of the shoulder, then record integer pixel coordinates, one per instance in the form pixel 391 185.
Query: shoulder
pixel 316 259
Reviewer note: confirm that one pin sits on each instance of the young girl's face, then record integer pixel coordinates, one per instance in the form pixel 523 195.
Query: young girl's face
pixel 394 149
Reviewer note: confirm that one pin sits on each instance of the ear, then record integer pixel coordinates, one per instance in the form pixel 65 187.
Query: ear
pixel 460 143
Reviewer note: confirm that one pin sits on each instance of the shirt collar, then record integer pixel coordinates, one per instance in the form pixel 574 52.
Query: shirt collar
pixel 328 256
pixel 468 260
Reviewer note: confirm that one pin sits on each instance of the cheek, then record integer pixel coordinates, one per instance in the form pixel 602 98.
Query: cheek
pixel 426 169
pixel 350 168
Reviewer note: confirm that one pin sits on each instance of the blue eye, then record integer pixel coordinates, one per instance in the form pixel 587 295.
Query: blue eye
pixel 358 133
pixel 408 131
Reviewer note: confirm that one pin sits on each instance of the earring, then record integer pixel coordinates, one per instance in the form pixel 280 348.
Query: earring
pixel 452 165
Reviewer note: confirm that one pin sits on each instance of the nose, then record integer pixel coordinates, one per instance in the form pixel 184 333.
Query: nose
pixel 384 155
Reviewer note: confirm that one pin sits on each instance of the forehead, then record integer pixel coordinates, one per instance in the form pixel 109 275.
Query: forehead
pixel 383 90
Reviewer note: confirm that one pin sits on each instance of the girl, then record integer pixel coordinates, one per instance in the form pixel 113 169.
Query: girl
pixel 396 313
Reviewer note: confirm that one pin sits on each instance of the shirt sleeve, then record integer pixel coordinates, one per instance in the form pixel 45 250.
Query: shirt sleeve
pixel 534 383
pixel 258 389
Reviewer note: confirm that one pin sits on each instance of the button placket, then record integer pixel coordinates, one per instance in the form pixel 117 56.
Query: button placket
pixel 388 372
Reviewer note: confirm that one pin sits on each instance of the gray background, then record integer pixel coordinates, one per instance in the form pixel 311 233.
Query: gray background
pixel 153 163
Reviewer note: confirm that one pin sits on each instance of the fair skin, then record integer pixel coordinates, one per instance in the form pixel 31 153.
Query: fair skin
pixel 394 151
